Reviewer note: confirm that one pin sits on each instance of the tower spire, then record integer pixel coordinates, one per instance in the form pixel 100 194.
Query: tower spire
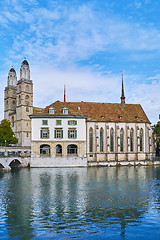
pixel 122 96
pixel 64 93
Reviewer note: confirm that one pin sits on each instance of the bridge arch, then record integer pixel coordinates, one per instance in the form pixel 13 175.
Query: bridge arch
pixel 15 163
pixel 1 166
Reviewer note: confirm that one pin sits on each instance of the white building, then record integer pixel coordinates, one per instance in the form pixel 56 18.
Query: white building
pixel 58 137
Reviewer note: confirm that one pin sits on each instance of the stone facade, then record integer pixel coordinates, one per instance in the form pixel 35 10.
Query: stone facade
pixel 125 147
pixel 18 103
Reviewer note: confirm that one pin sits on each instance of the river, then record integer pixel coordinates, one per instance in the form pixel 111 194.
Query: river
pixel 80 203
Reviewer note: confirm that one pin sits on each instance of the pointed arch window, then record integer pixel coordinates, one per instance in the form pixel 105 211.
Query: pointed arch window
pixel 13 105
pixel 141 140
pixel 131 140
pixel 19 100
pixel 7 105
pixel 101 140
pixel 27 99
pixel 12 121
pixel 27 88
pixel 121 140
pixel 111 140
pixel 90 140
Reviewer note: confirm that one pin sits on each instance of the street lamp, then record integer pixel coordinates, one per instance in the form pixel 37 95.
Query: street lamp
pixel 5 144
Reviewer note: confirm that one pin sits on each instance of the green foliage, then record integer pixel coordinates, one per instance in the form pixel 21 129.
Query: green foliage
pixel 6 133
pixel 156 133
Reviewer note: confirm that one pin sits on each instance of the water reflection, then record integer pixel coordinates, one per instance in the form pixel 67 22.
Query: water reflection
pixel 18 205
pixel 82 202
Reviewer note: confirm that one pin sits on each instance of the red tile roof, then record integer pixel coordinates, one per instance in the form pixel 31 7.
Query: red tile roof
pixel 108 112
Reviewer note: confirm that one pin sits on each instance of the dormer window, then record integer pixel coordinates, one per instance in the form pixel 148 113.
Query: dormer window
pixel 120 117
pixel 137 117
pixel 51 110
pixel 65 110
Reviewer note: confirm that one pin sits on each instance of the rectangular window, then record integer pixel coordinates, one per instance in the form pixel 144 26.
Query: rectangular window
pixel 58 133
pixel 44 122
pixel 72 134
pixel 44 133
pixel 65 110
pixel 51 110
pixel 72 122
pixel 58 122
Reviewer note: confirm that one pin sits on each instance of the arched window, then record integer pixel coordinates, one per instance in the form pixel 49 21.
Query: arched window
pixel 45 149
pixel 19 100
pixel 7 105
pixel 58 149
pixel 121 140
pixel 26 99
pixel 101 140
pixel 13 105
pixel 72 149
pixel 12 121
pixel 131 140
pixel 141 139
pixel 90 140
pixel 27 88
pixel 111 140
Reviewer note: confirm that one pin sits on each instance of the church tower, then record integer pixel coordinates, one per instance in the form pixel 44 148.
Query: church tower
pixel 24 105
pixel 10 98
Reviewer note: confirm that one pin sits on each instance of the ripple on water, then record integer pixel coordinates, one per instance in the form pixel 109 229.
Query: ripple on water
pixel 95 203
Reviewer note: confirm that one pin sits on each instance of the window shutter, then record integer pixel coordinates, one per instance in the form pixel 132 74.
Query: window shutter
pixel 48 133
pixel 54 133
pixel 68 133
pixel 41 133
pixel 68 122
pixel 75 122
pixel 75 133
pixel 61 133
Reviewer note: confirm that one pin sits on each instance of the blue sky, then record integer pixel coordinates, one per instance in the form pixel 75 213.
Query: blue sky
pixel 85 45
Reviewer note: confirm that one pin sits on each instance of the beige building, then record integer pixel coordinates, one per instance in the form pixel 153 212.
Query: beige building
pixel 18 103
pixel 111 133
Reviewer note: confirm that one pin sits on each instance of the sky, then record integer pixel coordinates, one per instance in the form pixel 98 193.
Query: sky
pixel 84 44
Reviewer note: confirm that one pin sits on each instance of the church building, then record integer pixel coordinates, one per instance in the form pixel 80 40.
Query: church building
pixel 18 103
pixel 77 133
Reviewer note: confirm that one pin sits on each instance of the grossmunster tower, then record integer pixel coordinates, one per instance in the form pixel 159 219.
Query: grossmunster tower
pixel 18 103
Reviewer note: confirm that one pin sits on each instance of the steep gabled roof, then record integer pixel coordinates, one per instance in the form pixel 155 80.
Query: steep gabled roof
pixel 108 112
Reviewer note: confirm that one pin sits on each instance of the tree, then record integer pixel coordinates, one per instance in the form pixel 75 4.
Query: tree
pixel 156 133
pixel 6 133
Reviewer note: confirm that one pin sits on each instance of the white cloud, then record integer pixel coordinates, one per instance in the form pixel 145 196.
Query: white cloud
pixel 85 84
pixel 72 34
pixel 55 40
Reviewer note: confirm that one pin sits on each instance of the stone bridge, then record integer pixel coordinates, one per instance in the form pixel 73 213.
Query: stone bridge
pixel 12 159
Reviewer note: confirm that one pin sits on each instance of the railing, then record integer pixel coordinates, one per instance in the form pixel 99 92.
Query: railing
pixel 15 154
